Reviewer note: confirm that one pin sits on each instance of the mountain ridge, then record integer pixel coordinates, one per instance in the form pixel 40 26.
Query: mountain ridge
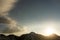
pixel 30 36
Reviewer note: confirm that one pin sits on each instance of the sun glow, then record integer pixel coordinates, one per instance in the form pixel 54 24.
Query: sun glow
pixel 48 31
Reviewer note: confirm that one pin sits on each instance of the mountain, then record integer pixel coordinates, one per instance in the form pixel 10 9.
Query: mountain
pixel 12 37
pixel 3 37
pixel 30 36
pixel 53 37
pixel 34 36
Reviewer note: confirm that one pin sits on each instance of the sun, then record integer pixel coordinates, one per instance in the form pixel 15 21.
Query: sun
pixel 48 31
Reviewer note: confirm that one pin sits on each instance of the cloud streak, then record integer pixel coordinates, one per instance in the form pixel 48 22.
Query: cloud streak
pixel 7 24
pixel 5 6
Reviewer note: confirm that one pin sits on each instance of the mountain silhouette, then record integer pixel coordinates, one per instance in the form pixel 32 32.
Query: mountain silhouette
pixel 34 36
pixel 53 37
pixel 30 36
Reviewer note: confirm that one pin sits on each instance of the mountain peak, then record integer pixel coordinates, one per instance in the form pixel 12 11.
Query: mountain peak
pixel 32 33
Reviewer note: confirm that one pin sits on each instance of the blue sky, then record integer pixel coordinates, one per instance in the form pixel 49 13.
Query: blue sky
pixel 34 13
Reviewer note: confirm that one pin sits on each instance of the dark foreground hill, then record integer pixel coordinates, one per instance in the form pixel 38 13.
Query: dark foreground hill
pixel 30 36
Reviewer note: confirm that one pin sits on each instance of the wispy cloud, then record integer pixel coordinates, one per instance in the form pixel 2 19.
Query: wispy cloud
pixel 5 6
pixel 7 24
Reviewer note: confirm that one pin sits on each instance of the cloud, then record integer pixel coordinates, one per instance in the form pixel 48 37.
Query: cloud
pixel 5 6
pixel 7 24
pixel 24 30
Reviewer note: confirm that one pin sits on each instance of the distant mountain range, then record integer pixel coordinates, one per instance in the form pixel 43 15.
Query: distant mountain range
pixel 30 36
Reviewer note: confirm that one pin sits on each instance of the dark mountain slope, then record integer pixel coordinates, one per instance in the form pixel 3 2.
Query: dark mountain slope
pixel 30 36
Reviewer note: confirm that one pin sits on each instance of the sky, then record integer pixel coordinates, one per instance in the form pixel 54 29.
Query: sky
pixel 37 15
